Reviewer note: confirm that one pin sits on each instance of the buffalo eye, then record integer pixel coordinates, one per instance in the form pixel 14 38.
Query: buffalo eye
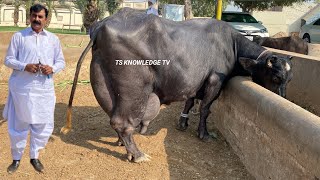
pixel 274 59
pixel 276 79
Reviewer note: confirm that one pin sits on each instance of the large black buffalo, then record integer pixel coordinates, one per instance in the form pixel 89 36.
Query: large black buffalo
pixel 179 61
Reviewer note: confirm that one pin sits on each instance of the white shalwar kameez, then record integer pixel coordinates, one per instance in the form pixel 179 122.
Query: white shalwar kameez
pixel 31 100
pixel 151 9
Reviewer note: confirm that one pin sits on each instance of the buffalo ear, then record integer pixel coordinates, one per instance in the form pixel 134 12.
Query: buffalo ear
pixel 247 63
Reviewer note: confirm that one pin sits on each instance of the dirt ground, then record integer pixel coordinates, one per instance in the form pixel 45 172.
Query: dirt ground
pixel 90 151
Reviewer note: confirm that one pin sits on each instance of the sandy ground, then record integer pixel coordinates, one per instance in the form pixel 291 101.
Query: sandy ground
pixel 90 151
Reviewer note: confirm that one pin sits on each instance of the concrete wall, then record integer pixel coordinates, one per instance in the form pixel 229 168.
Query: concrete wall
pixel 274 138
pixel 288 20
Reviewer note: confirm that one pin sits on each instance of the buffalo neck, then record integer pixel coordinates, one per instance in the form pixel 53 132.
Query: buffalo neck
pixel 246 48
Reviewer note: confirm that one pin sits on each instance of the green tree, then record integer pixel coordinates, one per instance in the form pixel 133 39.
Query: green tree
pixel 206 8
pixel 249 6
pixel 90 14
pixel 93 10
pixel 113 5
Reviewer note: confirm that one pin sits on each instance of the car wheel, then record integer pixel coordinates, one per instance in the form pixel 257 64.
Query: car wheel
pixel 306 38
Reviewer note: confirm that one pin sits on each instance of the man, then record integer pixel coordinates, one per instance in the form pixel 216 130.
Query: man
pixel 151 9
pixel 35 55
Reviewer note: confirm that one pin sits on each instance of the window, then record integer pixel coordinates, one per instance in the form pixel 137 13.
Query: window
pixel 317 22
pixel 232 17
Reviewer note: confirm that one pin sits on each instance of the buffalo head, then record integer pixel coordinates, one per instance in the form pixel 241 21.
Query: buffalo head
pixel 270 71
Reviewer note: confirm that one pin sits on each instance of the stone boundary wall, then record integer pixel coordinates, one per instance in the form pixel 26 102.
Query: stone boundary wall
pixel 274 138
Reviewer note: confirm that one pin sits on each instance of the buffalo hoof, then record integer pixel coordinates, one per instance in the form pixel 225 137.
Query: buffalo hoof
pixel 119 142
pixel 143 129
pixel 142 158
pixel 65 130
pixel 183 124
pixel 195 112
pixel 208 137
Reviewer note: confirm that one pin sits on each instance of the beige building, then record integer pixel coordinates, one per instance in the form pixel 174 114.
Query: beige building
pixel 62 18
pixel 287 19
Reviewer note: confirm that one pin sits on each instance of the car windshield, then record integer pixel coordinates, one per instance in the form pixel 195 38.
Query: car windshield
pixel 232 17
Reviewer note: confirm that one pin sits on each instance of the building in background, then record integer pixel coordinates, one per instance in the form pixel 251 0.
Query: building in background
pixel 288 19
pixel 63 17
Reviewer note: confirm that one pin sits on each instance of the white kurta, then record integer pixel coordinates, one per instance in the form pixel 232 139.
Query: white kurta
pixel 32 95
pixel 152 10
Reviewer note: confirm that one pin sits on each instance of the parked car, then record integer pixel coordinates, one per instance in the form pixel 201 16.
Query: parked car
pixel 311 32
pixel 245 23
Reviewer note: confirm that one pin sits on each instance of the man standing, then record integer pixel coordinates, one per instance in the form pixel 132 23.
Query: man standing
pixel 151 9
pixel 35 55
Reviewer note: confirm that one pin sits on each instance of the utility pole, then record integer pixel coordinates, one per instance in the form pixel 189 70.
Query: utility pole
pixel 218 9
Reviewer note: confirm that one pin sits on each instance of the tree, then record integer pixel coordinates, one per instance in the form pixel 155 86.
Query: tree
pixel 91 14
pixel 50 5
pixel 249 6
pixel 188 9
pixel 206 8
pixel 93 10
pixel 27 5
pixel 16 5
pixel 113 5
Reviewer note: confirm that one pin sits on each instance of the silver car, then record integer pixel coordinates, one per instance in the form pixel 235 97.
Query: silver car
pixel 311 32
pixel 245 23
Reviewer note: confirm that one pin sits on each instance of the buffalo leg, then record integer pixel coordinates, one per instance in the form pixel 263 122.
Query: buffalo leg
pixel 196 109
pixel 212 91
pixel 125 134
pixel 183 121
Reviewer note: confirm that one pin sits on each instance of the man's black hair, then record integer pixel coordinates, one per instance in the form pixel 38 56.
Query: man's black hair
pixel 37 8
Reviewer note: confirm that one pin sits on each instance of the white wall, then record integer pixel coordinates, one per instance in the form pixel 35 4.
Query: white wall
pixel 288 20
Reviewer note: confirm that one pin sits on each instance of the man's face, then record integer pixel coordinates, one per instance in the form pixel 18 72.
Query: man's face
pixel 38 20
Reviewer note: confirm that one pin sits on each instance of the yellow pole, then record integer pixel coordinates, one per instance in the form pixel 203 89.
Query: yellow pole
pixel 219 9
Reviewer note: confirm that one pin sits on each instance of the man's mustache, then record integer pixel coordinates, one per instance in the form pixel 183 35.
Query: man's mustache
pixel 36 22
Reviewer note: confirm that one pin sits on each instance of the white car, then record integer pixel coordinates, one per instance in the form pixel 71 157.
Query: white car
pixel 311 32
pixel 245 23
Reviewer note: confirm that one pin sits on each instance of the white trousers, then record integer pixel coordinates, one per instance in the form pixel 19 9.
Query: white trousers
pixel 18 133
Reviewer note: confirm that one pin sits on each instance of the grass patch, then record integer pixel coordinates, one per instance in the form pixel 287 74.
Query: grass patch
pixel 56 31
pixel 64 84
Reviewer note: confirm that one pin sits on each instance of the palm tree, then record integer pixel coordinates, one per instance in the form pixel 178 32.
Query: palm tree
pixel 90 14
pixel 16 4
pixel 188 9
pixel 94 10
pixel 28 4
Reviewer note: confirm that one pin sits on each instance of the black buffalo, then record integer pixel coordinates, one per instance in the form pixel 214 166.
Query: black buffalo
pixel 202 54
pixel 290 43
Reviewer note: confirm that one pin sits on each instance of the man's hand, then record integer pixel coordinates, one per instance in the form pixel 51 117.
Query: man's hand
pixel 45 69
pixel 33 68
